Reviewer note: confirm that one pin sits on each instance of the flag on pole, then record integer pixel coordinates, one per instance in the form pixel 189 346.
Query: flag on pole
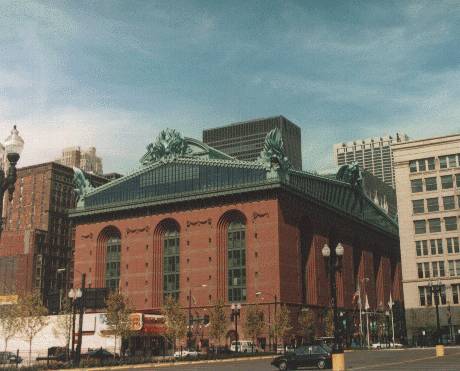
pixel 366 306
pixel 357 296
pixel 390 302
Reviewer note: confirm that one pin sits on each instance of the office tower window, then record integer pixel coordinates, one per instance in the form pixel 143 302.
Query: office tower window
pixel 436 247
pixel 416 185
pixel 421 247
pixel 434 225
pixel 453 245
pixel 431 163
pixel 450 223
pixel 430 184
pixel 420 226
pixel 432 204
pixel 418 206
pixel 448 202
pixel 455 293
pixel 447 182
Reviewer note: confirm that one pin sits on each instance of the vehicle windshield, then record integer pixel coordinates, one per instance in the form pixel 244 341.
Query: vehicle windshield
pixel 327 347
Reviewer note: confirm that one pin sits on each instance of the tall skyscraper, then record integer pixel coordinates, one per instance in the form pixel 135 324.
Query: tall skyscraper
pixel 427 188
pixel 244 140
pixel 84 160
pixel 373 155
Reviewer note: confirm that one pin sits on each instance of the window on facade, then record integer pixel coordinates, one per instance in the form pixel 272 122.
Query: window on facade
pixel 448 202
pixel 450 223
pixel 420 226
pixel 432 204
pixel 443 162
pixel 455 293
pixel 423 270
pixel 421 165
pixel 431 164
pixel 416 185
pixel 421 248
pixel 438 269
pixel 236 245
pixel 418 206
pixel 447 182
pixel 171 263
pixel 430 184
pixel 434 225
pixel 112 263
pixel 413 166
pixel 436 246
pixel 454 268
pixel 453 245
pixel 425 295
pixel 452 160
pixel 457 180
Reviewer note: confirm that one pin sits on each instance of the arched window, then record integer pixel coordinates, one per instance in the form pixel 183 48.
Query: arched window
pixel 236 250
pixel 171 263
pixel 112 263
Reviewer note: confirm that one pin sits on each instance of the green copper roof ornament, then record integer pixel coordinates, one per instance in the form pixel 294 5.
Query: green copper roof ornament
pixel 168 146
pixel 350 174
pixel 82 186
pixel 273 156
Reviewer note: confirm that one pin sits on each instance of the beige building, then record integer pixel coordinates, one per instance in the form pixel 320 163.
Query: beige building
pixel 85 160
pixel 427 174
pixel 373 155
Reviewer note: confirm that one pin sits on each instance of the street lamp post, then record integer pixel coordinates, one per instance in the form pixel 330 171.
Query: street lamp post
pixel 275 297
pixel 14 145
pixel 80 317
pixel 333 261
pixel 436 291
pixel 236 312
pixel 74 295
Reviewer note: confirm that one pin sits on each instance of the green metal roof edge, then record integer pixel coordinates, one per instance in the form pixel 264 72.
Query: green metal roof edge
pixel 153 201
pixel 184 160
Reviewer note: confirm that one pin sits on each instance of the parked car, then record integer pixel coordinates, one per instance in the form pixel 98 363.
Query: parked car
pixel 186 353
pixel 100 353
pixel 304 356
pixel 281 349
pixel 386 345
pixel 244 346
pixel 9 358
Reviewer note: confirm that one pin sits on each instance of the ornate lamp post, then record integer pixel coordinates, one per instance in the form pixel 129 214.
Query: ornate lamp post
pixel 333 260
pixel 14 145
pixel 436 291
pixel 79 294
pixel 236 312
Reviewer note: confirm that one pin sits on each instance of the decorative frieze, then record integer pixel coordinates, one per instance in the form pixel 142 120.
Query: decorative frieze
pixel 137 230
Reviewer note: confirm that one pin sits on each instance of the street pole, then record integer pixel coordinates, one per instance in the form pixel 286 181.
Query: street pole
pixel 189 332
pixel 276 336
pixel 367 322
pixel 80 324
pixel 360 318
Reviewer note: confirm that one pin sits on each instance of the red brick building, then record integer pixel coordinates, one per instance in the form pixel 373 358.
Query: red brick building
pixel 201 222
pixel 37 233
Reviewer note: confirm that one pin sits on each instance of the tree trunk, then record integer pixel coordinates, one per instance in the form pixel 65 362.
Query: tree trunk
pixel 30 351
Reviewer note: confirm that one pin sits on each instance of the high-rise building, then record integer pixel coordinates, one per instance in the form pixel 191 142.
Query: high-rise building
pixel 373 155
pixel 85 160
pixel 427 176
pixel 37 234
pixel 244 140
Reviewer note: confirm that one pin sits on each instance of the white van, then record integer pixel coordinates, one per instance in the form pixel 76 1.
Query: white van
pixel 245 346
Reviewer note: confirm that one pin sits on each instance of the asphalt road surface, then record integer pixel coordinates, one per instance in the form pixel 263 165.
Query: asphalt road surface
pixel 376 360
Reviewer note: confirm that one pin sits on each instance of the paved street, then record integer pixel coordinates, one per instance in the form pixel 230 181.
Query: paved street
pixel 383 360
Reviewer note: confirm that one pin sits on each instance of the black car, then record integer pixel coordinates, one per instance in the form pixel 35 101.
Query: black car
pixel 318 355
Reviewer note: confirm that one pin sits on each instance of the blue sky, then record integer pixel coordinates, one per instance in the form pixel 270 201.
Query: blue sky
pixel 112 74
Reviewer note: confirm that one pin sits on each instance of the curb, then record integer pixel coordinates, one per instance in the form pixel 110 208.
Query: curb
pixel 170 364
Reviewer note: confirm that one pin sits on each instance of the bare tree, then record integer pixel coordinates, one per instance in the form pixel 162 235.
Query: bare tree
pixel 282 323
pixel 218 321
pixel 8 322
pixel 176 324
pixel 63 327
pixel 254 322
pixel 305 321
pixel 32 317
pixel 118 315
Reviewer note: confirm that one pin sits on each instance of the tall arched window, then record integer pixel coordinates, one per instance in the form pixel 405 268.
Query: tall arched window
pixel 236 250
pixel 171 263
pixel 112 263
